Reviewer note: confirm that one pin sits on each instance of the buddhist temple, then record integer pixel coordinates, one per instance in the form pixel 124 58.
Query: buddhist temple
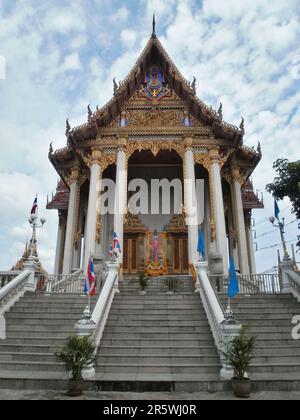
pixel 155 127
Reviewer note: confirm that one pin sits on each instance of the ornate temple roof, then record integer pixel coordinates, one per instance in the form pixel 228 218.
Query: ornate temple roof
pixel 250 199
pixel 60 200
pixel 151 119
pixel 154 51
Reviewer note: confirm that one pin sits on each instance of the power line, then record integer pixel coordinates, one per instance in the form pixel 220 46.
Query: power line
pixel 267 219
pixel 274 230
pixel 275 246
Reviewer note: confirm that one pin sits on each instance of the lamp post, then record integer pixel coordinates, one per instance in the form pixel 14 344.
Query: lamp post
pixel 35 224
pixel 281 226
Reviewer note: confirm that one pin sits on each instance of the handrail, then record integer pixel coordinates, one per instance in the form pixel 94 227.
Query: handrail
pixel 249 284
pixel 295 283
pixel 7 276
pixel 102 308
pixel 223 329
pixel 63 283
pixel 10 294
pixel 213 309
pixel 14 284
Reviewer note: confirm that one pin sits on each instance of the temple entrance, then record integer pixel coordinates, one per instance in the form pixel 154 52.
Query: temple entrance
pixel 181 256
pixel 130 262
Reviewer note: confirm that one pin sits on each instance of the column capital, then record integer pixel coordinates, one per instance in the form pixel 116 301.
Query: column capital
pixel 188 143
pixel 122 144
pixel 236 175
pixel 73 175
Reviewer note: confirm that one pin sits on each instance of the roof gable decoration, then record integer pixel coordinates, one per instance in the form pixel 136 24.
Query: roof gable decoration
pixel 154 85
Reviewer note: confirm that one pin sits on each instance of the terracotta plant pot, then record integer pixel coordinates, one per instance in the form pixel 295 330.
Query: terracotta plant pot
pixel 75 389
pixel 241 388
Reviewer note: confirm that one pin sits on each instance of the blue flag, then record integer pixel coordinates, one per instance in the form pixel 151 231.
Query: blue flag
pixel 233 284
pixel 201 244
pixel 277 211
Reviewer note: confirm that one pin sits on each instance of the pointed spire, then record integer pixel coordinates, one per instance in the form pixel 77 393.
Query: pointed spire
pixel 154 26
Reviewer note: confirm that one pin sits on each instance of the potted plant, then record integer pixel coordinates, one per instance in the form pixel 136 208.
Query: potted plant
pixel 78 353
pixel 143 282
pixel 239 355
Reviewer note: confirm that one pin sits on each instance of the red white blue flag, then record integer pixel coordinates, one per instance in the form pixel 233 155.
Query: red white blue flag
pixel 115 247
pixel 90 282
pixel 35 206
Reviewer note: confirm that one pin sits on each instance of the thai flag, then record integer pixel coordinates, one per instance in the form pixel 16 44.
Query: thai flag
pixel 90 282
pixel 35 206
pixel 115 248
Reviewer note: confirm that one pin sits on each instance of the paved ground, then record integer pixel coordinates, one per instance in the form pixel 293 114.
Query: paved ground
pixel 113 396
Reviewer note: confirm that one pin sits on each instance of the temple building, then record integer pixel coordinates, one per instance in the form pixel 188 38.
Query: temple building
pixel 155 128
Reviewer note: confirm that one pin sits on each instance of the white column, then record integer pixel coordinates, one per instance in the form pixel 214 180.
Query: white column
pixel 59 245
pixel 191 201
pixel 121 194
pixel 69 242
pixel 90 234
pixel 251 252
pixel 221 236
pixel 240 223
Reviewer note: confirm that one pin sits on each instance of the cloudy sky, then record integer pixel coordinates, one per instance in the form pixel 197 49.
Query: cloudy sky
pixel 58 56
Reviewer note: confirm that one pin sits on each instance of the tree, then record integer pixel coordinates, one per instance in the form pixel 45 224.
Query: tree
pixel 287 184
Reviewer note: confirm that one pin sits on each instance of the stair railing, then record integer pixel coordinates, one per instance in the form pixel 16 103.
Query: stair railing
pixel 94 324
pixel 295 284
pixel 15 290
pixel 224 330
pixel 7 276
pixel 65 284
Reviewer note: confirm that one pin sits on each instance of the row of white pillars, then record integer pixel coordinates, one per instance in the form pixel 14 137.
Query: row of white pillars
pixel 121 205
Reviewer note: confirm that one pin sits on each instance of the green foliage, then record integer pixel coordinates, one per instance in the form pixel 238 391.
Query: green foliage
pixel 143 282
pixel 78 353
pixel 240 352
pixel 287 183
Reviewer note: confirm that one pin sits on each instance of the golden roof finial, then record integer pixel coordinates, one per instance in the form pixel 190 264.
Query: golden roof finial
pixel 154 26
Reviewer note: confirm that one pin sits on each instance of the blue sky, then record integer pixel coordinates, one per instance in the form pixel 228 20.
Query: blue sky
pixel 62 55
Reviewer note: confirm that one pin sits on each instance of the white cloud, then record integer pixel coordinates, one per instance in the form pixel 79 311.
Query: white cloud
pixel 128 38
pixel 71 62
pixel 120 16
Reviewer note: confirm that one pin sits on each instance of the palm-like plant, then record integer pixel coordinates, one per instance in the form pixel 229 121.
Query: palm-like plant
pixel 78 353
pixel 240 353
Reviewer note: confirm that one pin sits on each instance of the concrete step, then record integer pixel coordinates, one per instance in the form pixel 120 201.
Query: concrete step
pixel 124 329
pixel 28 348
pixel 41 328
pixel 154 319
pixel 191 342
pixel 46 341
pixel 293 359
pixel 27 357
pixel 158 369
pixel 40 334
pixel 158 323
pixel 278 350
pixel 156 360
pixel 274 368
pixel 56 322
pixel 61 311
pixel 32 366
pixel 159 351
pixel 144 335
pixel 35 317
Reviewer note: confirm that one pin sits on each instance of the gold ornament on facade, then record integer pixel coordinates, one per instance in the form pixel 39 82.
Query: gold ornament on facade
pixel 73 177
pixel 98 228
pixel 155 147
pixel 213 230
